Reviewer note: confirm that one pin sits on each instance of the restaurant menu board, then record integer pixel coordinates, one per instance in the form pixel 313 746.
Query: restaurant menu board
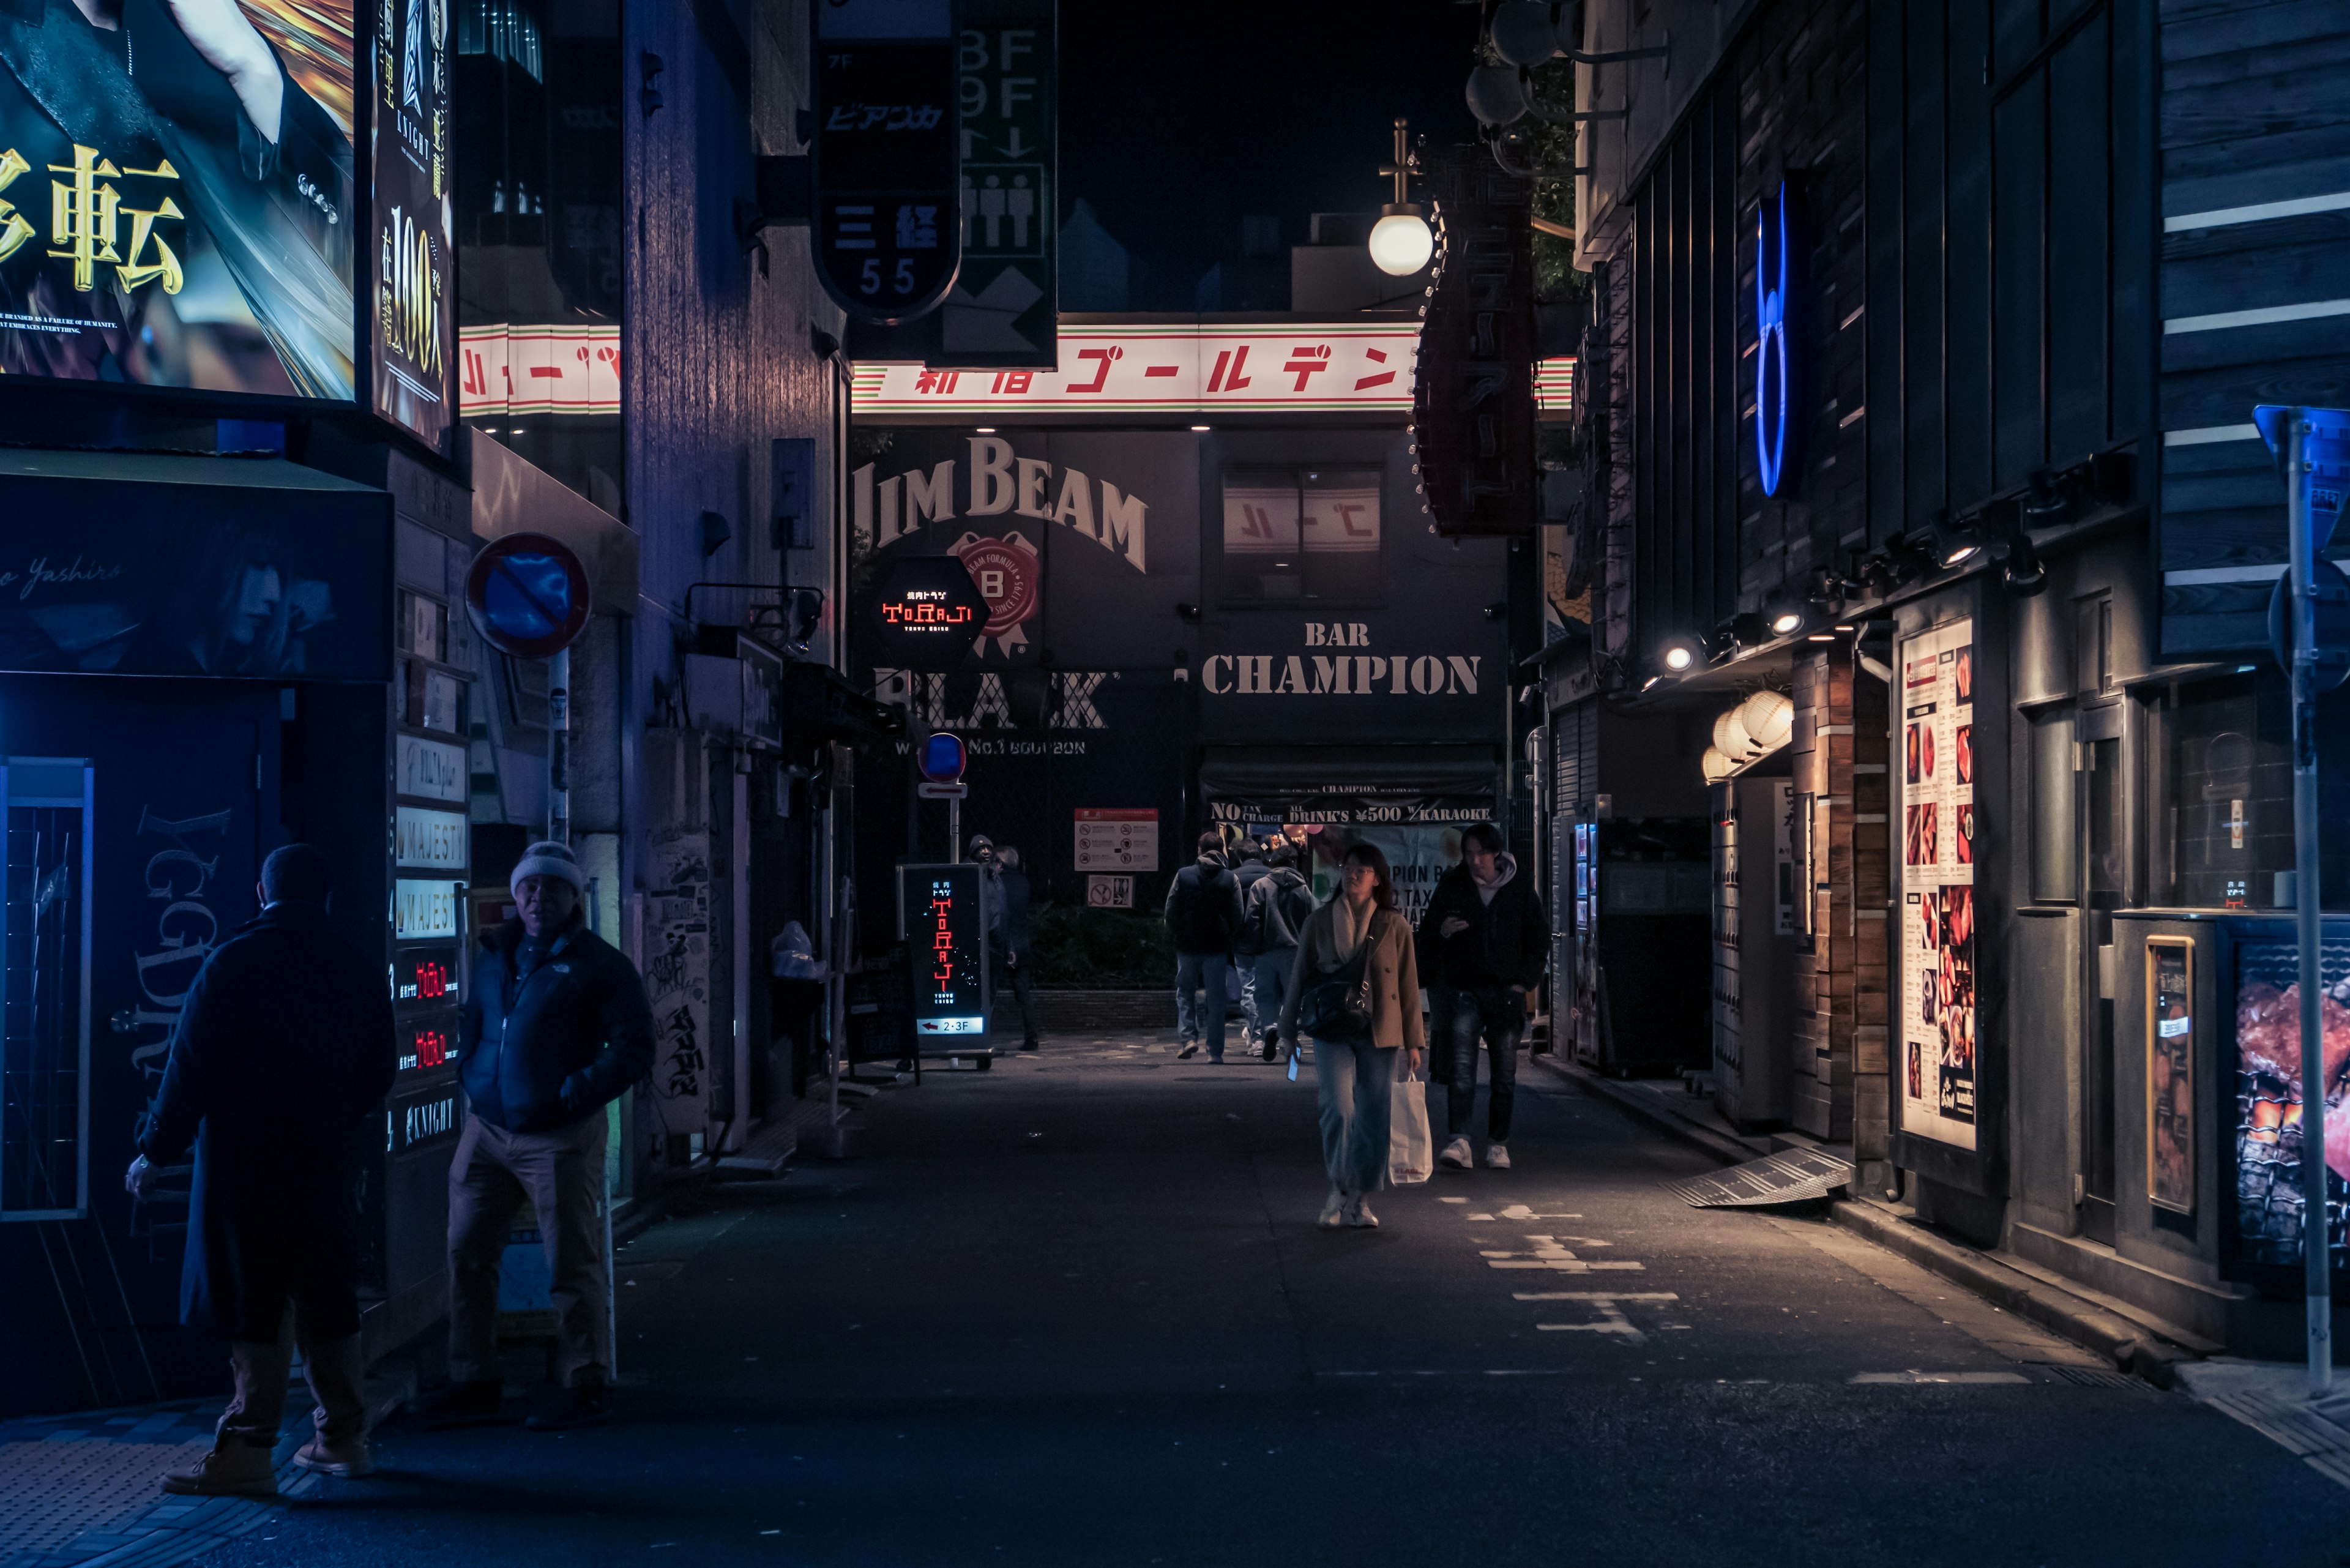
pixel 1938 894
pixel 2267 1134
pixel 2170 1074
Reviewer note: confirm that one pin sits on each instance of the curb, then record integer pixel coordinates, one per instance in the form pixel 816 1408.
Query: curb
pixel 2128 1345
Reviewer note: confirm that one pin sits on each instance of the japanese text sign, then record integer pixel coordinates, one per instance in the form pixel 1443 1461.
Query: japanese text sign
pixel 885 161
pixel 945 926
pixel 1181 368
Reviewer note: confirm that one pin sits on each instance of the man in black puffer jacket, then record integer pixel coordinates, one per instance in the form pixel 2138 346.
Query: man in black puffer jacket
pixel 555 1024
pixel 1487 939
pixel 1203 916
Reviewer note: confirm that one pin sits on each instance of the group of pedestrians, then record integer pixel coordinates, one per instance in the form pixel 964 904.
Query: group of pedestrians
pixel 1348 975
pixel 1236 930
pixel 283 1051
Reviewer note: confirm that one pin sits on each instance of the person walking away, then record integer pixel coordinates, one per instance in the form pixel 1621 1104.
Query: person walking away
pixel 1278 904
pixel 1358 934
pixel 1488 938
pixel 555 1024
pixel 1203 915
pixel 1009 938
pixel 283 1051
pixel 1245 875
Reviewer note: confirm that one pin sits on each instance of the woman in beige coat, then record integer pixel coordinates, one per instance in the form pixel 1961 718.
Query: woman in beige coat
pixel 1354 1075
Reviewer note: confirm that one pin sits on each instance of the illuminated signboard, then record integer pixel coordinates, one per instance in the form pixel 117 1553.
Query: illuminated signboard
pixel 179 213
pixel 1180 368
pixel 425 1118
pixel 423 1046
pixel 423 910
pixel 928 611
pixel 1771 394
pixel 946 947
pixel 415 314
pixel 433 840
pixel 425 977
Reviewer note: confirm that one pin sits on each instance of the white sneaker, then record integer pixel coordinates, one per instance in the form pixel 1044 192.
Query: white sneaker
pixel 1497 1157
pixel 1334 1211
pixel 1359 1215
pixel 1458 1155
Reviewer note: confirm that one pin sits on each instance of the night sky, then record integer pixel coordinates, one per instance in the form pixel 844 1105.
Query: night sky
pixel 1176 121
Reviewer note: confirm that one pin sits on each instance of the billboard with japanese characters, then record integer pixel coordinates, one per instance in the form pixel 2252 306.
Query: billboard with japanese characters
pixel 176 194
pixel 415 311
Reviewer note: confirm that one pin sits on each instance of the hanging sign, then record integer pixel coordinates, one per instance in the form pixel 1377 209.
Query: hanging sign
pixel 415 313
pixel 1472 415
pixel 928 612
pixel 885 165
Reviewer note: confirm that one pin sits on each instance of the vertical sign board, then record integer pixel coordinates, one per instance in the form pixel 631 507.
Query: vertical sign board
pixel 940 914
pixel 2170 1073
pixel 884 162
pixel 1939 1087
pixel 415 330
pixel 1004 308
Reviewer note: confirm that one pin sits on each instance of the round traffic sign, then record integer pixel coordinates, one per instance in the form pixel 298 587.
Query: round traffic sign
pixel 942 758
pixel 528 595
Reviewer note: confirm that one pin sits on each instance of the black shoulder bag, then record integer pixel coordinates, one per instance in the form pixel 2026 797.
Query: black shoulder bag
pixel 1339 1006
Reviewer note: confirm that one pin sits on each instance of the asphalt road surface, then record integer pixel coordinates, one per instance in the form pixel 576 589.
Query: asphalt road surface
pixel 1075 1311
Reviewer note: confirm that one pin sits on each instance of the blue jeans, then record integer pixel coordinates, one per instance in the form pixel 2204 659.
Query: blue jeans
pixel 1196 1017
pixel 1272 986
pixel 1355 1081
pixel 1459 1018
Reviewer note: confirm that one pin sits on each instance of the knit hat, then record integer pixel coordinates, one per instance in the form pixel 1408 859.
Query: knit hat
pixel 548 859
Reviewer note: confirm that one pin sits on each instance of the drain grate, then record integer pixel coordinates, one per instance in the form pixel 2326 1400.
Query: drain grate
pixel 2095 1376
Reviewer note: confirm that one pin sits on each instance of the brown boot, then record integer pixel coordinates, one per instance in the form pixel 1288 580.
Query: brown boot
pixel 232 1470
pixel 346 1460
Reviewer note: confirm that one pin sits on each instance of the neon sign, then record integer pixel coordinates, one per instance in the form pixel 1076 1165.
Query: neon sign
pixel 1771 349
pixel 925 611
pixel 944 916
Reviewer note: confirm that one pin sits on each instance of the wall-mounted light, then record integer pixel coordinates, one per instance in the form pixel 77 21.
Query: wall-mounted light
pixel 1786 612
pixel 1680 652
pixel 1956 540
pixel 2026 573
pixel 1187 612
pixel 1402 241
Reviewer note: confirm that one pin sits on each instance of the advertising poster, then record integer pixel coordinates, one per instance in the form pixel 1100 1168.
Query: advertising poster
pixel 168 222
pixel 415 220
pixel 1418 855
pixel 2170 1074
pixel 1938 894
pixel 2267 1124
pixel 103 577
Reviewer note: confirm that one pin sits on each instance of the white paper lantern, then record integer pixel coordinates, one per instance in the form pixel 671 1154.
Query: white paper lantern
pixel 1717 766
pixel 1731 739
pixel 1769 718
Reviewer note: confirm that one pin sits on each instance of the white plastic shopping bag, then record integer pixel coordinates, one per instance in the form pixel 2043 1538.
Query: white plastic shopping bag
pixel 1411 1152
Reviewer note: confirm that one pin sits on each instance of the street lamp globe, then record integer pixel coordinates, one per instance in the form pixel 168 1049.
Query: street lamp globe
pixel 1401 242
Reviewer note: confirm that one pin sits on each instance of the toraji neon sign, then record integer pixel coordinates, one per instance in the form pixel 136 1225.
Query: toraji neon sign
pixel 1771 346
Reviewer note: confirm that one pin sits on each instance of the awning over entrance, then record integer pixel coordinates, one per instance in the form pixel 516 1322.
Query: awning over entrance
pixel 1338 785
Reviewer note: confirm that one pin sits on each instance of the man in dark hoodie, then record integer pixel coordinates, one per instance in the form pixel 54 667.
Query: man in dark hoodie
pixel 555 1024
pixel 1251 870
pixel 1203 916
pixel 282 1052
pixel 1277 906
pixel 1489 938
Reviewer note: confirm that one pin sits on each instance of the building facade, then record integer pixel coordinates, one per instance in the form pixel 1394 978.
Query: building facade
pixel 1923 349
pixel 1215 600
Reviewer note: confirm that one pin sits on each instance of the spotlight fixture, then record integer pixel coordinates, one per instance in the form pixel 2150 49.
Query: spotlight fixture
pixel 2026 573
pixel 1750 629
pixel 1681 653
pixel 1786 613
pixel 2048 502
pixel 1957 541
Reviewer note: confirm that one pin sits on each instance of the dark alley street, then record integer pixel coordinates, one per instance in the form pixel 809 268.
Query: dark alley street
pixel 1075 1311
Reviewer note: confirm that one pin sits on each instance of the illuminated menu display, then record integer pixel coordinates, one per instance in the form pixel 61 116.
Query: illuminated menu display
pixel 425 1045
pixel 425 977
pixel 946 944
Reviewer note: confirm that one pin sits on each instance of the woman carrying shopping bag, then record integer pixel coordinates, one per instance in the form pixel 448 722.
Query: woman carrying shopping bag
pixel 1355 992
